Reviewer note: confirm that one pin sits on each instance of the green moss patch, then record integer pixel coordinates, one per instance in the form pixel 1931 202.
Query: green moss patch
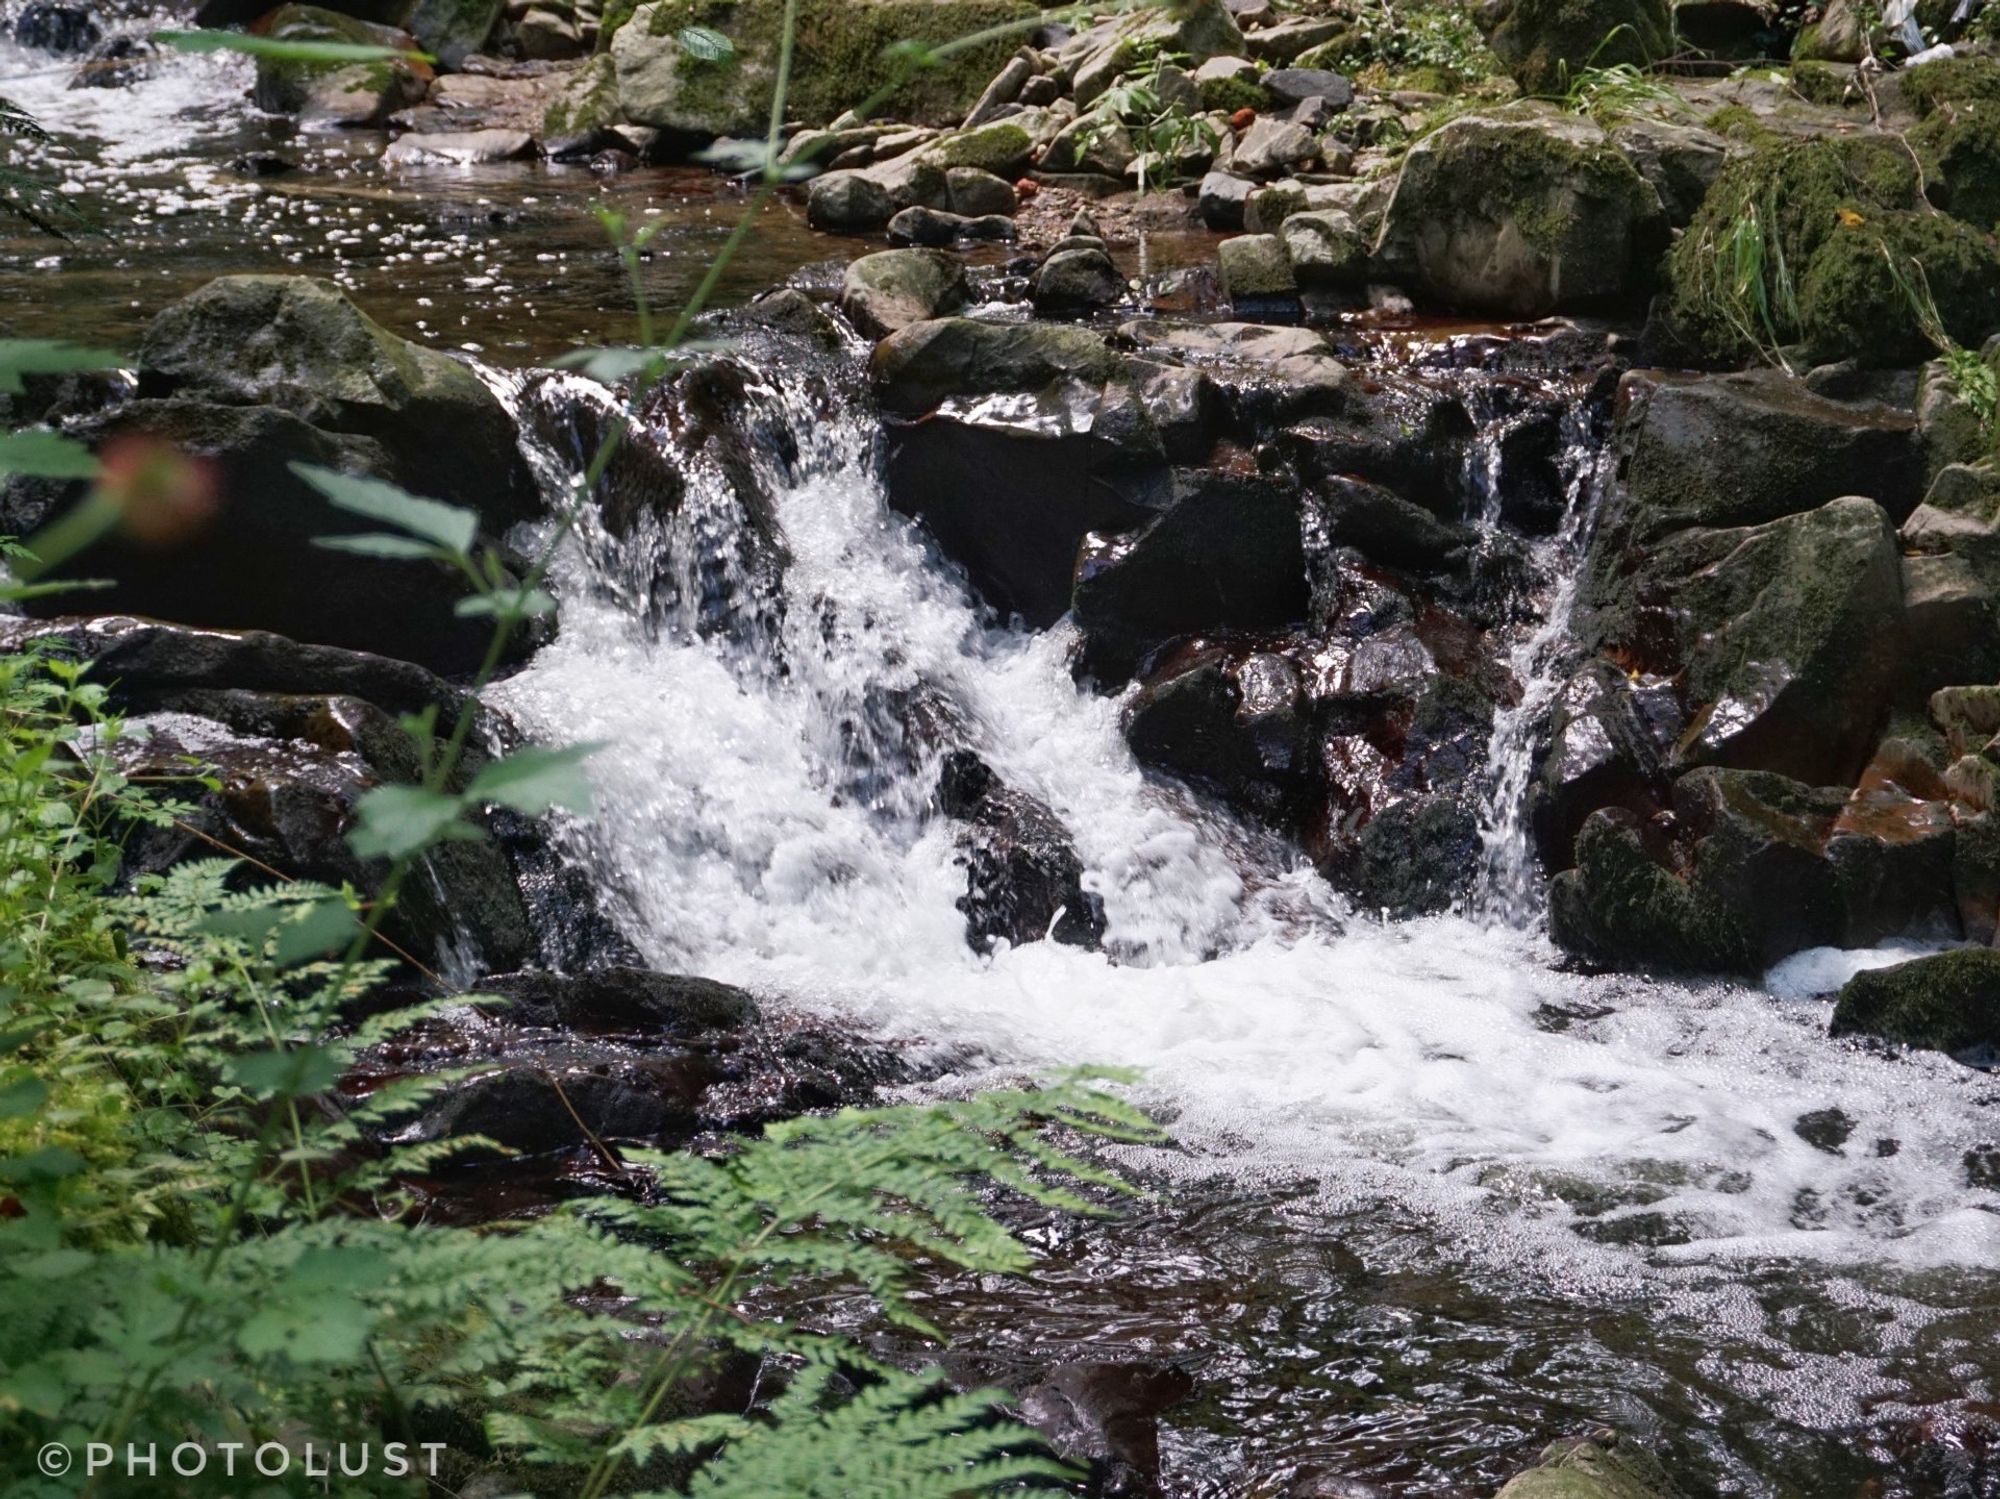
pixel 1950 1002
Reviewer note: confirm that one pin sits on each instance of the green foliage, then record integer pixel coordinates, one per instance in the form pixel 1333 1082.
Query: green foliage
pixel 1614 93
pixel 1432 44
pixel 286 50
pixel 1163 132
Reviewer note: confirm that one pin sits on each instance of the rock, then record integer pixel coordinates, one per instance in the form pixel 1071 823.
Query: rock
pixel 451 30
pixel 1607 741
pixel 1271 148
pixel 916 369
pixel 1292 39
pixel 1960 519
pixel 1951 625
pixel 1002 148
pixel 1291 86
pixel 568 1096
pixel 1748 448
pixel 1004 89
pixel 1075 281
pixel 1106 1416
pixel 1089 145
pixel 329 95
pixel 1273 374
pixel 1221 201
pixel 1327 250
pixel 548 35
pixel 848 203
pixel 1226 552
pixel 632 1001
pixel 895 288
pixel 1256 274
pixel 841 57
pixel 934 227
pixel 1545 43
pixel 1604 1466
pixel 1521 211
pixel 1384 526
pixel 237 563
pixel 1681 162
pixel 1789 635
pixel 1232 722
pixel 1226 84
pixel 1837 36
pixel 300 345
pixel 1950 1002
pixel 1195 32
pixel 1024 880
pixel 459 148
pixel 976 193
pixel 586 108
pixel 62 29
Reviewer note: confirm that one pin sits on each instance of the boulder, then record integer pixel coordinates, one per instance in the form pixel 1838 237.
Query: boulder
pixel 1002 148
pixel 1272 148
pixel 1024 880
pixel 1256 275
pixel 895 288
pixel 619 1000
pixel 1522 211
pixel 1221 200
pixel 300 345
pixel 976 193
pixel 1949 1002
pixel 452 30
pixel 1234 722
pixel 1327 250
pixel 1680 160
pixel 329 95
pixel 1226 552
pixel 927 363
pixel 459 148
pixel 1105 1416
pixel 1292 86
pixel 935 228
pixel 1546 43
pixel 842 55
pixel 1196 32
pixel 1606 746
pixel 1079 280
pixel 857 200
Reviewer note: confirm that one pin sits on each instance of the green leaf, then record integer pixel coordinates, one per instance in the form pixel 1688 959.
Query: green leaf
pixel 48 356
pixel 316 931
pixel 283 51
pixel 535 779
pixel 22 1094
pixel 705 43
pixel 380 544
pixel 297 1073
pixel 447 525
pixel 317 1315
pixel 511 603
pixel 46 455
pixel 399 820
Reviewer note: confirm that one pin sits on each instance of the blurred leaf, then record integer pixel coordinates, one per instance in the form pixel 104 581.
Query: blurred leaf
pixel 449 526
pixel 399 820
pixel 283 51
pixel 296 1073
pixel 510 603
pixel 376 544
pixel 21 1094
pixel 46 455
pixel 535 779
pixel 705 43
pixel 48 356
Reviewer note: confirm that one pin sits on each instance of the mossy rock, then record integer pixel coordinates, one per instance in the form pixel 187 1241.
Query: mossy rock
pixel 1822 83
pixel 1231 94
pixel 1961 146
pixel 1851 197
pixel 587 104
pixel 1001 148
pixel 1546 43
pixel 451 29
pixel 1604 1467
pixel 1950 1002
pixel 1953 81
pixel 840 60
pixel 285 87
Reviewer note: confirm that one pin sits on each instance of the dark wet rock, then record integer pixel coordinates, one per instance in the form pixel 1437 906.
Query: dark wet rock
pixel 1607 741
pixel 569 1096
pixel 1604 1465
pixel 237 564
pixel 62 29
pixel 623 1000
pixel 933 226
pixel 1545 43
pixel 1951 625
pixel 1403 434
pixel 1827 1130
pixel 1384 526
pixel 300 345
pixel 1024 880
pixel 1787 636
pixel 1949 1002
pixel 1225 552
pixel 1222 198
pixel 1750 867
pixel 1413 856
pixel 976 193
pixel 1737 450
pixel 789 310
pixel 1106 1416
pixel 1236 724
pixel 858 200
pixel 916 369
pixel 1522 211
pixel 895 288
pixel 1077 280
pixel 1273 375
pixel 452 30
pixel 333 95
pixel 1011 497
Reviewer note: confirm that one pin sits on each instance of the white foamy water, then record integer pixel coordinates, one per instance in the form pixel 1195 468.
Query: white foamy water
pixel 749 832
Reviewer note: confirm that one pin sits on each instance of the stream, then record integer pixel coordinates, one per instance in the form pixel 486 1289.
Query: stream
pixel 1431 1199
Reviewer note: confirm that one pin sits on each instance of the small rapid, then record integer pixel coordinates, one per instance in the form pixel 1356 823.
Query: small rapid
pixel 765 817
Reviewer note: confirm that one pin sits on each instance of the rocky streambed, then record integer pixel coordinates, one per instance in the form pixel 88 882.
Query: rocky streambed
pixel 1318 635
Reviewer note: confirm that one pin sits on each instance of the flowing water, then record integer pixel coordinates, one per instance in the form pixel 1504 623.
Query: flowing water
pixel 1432 1200
pixel 1430 1196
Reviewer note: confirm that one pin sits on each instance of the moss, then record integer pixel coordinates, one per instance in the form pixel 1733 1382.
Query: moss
pixel 1950 1002
pixel 1820 83
pixel 1546 43
pixel 1855 303
pixel 840 58
pixel 1622 905
pixel 588 103
pixel 1742 123
pixel 1000 148
pixel 1232 94
pixel 1790 197
pixel 1960 145
pixel 1956 80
